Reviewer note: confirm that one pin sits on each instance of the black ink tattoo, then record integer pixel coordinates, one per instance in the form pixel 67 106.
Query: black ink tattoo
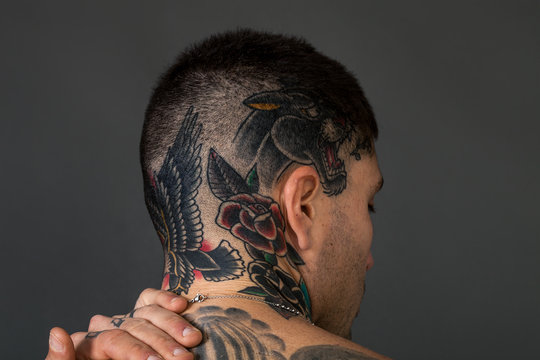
pixel 233 334
pixel 328 352
pixel 117 322
pixel 257 221
pixel 276 285
pixel 285 126
pixel 363 145
pixel 293 125
pixel 249 216
pixel 94 334
pixel 177 217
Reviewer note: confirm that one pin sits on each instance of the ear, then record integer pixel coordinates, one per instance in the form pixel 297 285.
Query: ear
pixel 298 192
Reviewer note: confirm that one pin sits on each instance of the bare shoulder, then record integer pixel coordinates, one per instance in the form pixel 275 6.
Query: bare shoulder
pixel 311 342
pixel 233 333
pixel 332 352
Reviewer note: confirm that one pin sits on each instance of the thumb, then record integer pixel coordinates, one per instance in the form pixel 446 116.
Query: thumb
pixel 60 345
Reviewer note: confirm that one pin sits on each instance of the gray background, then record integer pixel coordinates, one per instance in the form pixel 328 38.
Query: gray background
pixel 455 86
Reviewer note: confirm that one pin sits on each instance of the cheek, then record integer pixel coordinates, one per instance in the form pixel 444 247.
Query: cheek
pixel 369 232
pixel 355 242
pixel 349 235
pixel 362 250
pixel 364 231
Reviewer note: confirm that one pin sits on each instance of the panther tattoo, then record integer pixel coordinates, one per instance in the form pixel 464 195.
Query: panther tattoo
pixel 293 125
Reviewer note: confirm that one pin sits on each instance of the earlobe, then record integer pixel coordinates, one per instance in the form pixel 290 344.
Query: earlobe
pixel 298 192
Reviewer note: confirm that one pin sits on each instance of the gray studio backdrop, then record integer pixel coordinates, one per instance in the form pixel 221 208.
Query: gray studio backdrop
pixel 455 86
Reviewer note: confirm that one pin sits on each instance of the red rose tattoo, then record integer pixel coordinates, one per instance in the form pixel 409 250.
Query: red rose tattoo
pixel 255 219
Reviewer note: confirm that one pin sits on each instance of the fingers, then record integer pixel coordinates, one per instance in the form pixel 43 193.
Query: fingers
pixel 171 323
pixel 120 345
pixel 163 298
pixel 160 328
pixel 152 331
pixel 60 345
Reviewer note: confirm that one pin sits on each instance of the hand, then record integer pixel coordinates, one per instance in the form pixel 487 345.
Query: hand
pixel 152 331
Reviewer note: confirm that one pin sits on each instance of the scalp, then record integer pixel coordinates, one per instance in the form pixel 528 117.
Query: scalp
pixel 217 74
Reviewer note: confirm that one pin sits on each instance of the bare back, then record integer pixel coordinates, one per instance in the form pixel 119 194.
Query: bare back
pixel 242 329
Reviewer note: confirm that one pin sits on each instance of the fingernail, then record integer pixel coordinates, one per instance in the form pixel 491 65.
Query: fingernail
pixel 188 330
pixel 154 357
pixel 179 351
pixel 55 344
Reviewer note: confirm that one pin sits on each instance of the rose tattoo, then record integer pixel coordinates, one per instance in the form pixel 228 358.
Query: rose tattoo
pixel 255 219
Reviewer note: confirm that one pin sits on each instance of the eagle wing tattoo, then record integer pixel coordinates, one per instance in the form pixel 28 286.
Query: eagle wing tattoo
pixel 172 202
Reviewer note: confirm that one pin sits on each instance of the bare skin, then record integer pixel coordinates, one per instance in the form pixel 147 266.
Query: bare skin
pixel 154 330
pixel 259 184
pixel 316 242
pixel 158 331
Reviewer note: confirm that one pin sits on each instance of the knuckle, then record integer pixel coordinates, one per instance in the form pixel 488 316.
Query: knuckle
pixel 146 293
pixel 117 338
pixel 136 323
pixel 153 307
pixel 95 321
pixel 175 322
pixel 138 350
pixel 77 338
pixel 113 336
pixel 147 309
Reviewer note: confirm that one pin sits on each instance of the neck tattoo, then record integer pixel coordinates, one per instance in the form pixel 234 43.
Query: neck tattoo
pixel 199 298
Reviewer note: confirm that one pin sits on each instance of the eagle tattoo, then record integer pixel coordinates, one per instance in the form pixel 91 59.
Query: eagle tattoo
pixel 177 218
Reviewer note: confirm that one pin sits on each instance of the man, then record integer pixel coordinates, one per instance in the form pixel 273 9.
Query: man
pixel 260 173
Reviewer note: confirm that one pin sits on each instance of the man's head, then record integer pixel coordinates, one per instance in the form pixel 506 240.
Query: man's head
pixel 333 236
pixel 258 162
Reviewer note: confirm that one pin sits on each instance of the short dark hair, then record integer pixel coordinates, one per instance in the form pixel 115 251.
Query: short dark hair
pixel 224 123
pixel 221 69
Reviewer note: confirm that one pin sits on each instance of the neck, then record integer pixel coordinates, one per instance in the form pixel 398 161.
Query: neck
pixel 235 268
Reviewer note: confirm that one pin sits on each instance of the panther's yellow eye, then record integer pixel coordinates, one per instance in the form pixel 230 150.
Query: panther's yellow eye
pixel 265 106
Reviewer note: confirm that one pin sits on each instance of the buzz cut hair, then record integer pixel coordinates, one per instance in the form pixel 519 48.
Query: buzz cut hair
pixel 217 76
